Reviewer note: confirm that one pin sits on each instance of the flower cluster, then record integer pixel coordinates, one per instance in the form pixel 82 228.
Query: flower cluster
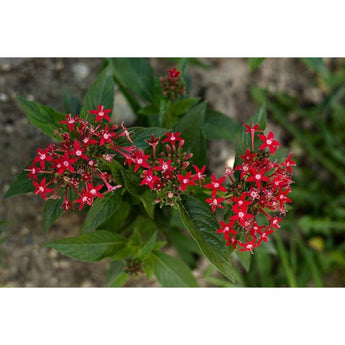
pixel 173 84
pixel 72 169
pixel 134 266
pixel 261 188
pixel 166 172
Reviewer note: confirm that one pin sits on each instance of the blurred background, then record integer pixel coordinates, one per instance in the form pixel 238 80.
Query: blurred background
pixel 305 102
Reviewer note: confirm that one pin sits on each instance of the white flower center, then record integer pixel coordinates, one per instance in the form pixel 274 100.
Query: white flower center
pixel 78 153
pixel 66 163
pixel 185 181
pixel 93 191
pixel 101 113
pixel 269 142
pixel 258 176
pixel 105 135
pixel 216 185
pixel 165 167
pixel 172 137
pixel 41 189
pixel 71 121
pixel 240 214
pixel 226 228
pixel 43 156
pixel 140 161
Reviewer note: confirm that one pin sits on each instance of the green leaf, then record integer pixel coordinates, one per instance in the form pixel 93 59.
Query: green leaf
pixel 180 107
pixel 118 219
pixel 220 126
pixel 119 280
pixel 71 104
pixel 146 250
pixel 90 247
pixel 21 184
pixel 254 63
pixel 244 258
pixel 195 142
pixel 101 92
pixel 135 74
pixel 43 117
pixel 316 65
pixel 150 110
pixel 202 225
pixel 52 211
pixel 149 202
pixel 260 117
pixel 171 272
pixel 142 134
pixel 101 210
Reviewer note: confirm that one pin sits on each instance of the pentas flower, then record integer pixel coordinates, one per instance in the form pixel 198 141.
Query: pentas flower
pixel 173 84
pixel 101 113
pixel 167 173
pixel 72 170
pixel 259 187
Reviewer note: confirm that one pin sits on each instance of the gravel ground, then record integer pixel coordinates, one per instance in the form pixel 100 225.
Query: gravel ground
pixel 25 261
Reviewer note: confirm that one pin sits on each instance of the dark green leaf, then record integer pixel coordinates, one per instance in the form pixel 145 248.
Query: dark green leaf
pixel 101 210
pixel 316 65
pixel 101 92
pixel 150 110
pixel 52 211
pixel 190 127
pixel 254 63
pixel 135 74
pixel 171 272
pixel 142 134
pixel 149 202
pixel 21 184
pixel 202 225
pixel 118 219
pixel 43 117
pixel 71 104
pixel 220 126
pixel 146 250
pixel 180 107
pixel 244 258
pixel 91 247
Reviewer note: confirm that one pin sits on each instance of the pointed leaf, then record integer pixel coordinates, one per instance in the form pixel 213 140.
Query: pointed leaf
pixel 220 126
pixel 52 211
pixel 21 184
pixel 43 117
pixel 180 107
pixel 146 250
pixel 101 92
pixel 90 247
pixel 135 74
pixel 202 225
pixel 101 210
pixel 190 127
pixel 171 272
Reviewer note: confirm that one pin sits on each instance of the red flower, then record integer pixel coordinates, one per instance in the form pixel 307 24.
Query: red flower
pixel 101 113
pixel 174 73
pixel 186 181
pixel 41 188
pixel 172 137
pixel 216 185
pixel 257 176
pixel 140 160
pixel 78 151
pixel 269 142
pixel 248 157
pixel 94 191
pixel 289 163
pixel 107 137
pixel 70 121
pixel 248 246
pixel 65 163
pixel 33 171
pixel 215 202
pixel 226 229
pixel 199 176
pixel 43 157
pixel 242 217
pixel 149 179
pixel 164 166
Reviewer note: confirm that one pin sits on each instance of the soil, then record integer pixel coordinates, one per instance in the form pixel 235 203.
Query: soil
pixel 25 261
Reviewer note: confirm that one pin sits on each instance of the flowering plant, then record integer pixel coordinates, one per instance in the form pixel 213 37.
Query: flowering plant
pixel 144 187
